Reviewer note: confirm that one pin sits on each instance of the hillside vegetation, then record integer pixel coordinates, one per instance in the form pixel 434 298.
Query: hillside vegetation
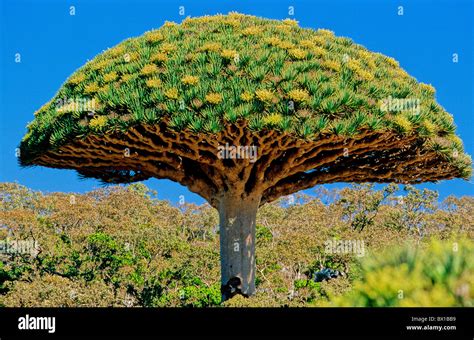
pixel 121 246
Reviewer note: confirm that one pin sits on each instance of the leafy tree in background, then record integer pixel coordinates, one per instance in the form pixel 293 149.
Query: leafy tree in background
pixel 313 106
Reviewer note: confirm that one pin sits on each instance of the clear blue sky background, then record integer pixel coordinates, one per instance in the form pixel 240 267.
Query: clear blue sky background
pixel 53 44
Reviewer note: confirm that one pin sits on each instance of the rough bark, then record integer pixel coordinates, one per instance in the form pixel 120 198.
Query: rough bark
pixel 285 164
pixel 237 244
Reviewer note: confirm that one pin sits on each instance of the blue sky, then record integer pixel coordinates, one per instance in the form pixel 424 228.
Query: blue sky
pixel 52 44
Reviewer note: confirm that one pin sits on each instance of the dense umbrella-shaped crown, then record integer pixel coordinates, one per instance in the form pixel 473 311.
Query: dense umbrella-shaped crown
pixel 316 107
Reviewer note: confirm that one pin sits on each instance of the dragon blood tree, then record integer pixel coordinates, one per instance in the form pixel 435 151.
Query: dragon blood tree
pixel 316 108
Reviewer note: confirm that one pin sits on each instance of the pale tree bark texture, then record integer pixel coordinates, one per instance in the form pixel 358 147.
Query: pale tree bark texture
pixel 237 222
pixel 238 187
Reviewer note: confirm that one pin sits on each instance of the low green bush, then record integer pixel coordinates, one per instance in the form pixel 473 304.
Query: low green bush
pixel 438 274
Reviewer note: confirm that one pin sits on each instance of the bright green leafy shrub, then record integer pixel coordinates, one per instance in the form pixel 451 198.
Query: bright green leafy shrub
pixel 263 234
pixel 440 274
pixel 201 296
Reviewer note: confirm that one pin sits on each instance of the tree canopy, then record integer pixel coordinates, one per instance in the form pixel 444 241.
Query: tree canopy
pixel 320 109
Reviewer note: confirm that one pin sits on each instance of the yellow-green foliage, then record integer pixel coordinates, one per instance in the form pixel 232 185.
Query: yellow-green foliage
pixel 149 69
pixel 154 82
pixel 229 54
pixel 246 96
pixel 273 119
pixel 172 93
pixel 213 98
pixel 91 88
pixel 190 80
pixel 98 123
pixel 436 275
pixel 111 76
pixel 299 95
pixel 250 61
pixel 264 95
pixel 297 53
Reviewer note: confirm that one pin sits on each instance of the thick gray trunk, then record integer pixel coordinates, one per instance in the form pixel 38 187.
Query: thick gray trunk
pixel 237 245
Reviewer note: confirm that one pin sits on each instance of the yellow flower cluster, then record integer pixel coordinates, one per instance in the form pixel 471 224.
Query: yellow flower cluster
pixel 246 96
pixel 154 36
pixel 159 57
pixel 403 123
pixel 400 73
pixel 307 43
pixel 326 32
pixel 367 57
pixel 167 48
pixel 290 22
pixel 111 76
pixel 273 41
pixel 149 69
pixel 251 31
pixel 352 64
pixel 318 40
pixel 272 119
pixel 172 93
pixel 264 95
pixel 116 51
pixel 283 28
pixel 170 24
pixel 190 80
pixel 104 89
pixel 126 77
pixel 355 66
pixel 286 45
pixel 228 54
pixel 98 123
pixel 153 83
pixel 297 53
pixel 100 65
pixel 77 78
pixel 299 95
pixel 391 61
pixel 91 88
pixel 318 51
pixel 429 126
pixel 365 75
pixel 213 98
pixel 206 19
pixel 210 47
pixel 331 64
pixel 372 66
pixel 233 22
